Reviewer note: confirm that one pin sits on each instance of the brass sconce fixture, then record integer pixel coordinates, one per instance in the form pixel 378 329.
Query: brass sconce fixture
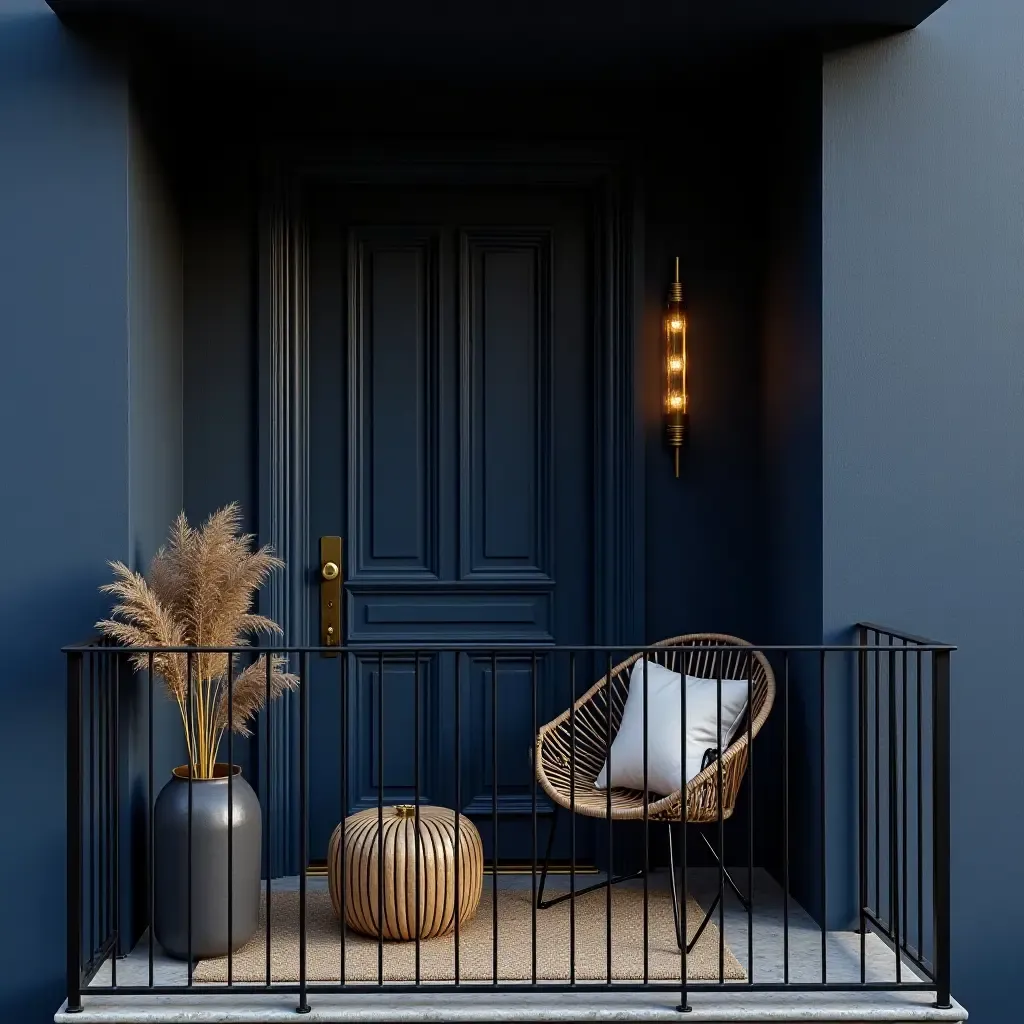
pixel 676 398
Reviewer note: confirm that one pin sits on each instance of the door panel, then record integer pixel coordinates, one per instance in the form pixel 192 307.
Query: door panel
pixel 506 426
pixel 382 734
pixel 395 402
pixel 444 323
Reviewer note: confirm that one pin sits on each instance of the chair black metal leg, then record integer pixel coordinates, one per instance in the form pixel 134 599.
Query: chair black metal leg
pixel 679 918
pixel 543 904
pixel 745 900
pixel 672 885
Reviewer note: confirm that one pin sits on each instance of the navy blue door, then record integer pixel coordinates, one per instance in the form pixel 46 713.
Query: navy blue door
pixel 451 431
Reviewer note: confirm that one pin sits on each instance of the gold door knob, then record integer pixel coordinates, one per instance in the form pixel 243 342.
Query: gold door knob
pixel 330 570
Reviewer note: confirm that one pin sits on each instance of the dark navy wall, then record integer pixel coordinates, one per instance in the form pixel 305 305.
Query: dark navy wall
pixel 155 341
pixel 90 288
pixel 220 335
pixel 155 455
pixel 790 444
pixel 220 351
pixel 923 359
pixel 63 447
pixel 704 531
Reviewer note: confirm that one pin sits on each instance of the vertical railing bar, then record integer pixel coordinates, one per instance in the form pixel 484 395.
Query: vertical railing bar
pixel 111 767
pixel 822 782
pixel 608 814
pixel 117 818
pixel 416 809
pixel 940 824
pixel 750 818
pixel 458 795
pixel 380 817
pixel 647 837
pixel 343 788
pixel 231 813
pixel 785 820
pixel 680 910
pixel 920 814
pixel 894 811
pixel 267 705
pixel 151 852
pixel 108 799
pixel 102 863
pixel 877 903
pixel 904 934
pixel 111 770
pixel 494 817
pixel 533 822
pixel 303 1006
pixel 721 824
pixel 93 868
pixel 862 797
pixel 73 966
pixel 191 774
pixel 108 686
pixel 572 817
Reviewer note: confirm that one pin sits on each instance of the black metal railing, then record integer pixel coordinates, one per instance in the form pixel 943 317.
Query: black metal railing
pixel 858 745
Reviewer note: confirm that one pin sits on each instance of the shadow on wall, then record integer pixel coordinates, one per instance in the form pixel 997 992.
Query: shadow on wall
pixel 60 260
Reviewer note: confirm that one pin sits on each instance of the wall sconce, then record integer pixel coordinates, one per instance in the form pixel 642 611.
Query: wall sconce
pixel 676 398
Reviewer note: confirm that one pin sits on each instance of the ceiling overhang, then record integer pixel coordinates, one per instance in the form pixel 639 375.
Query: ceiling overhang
pixel 518 37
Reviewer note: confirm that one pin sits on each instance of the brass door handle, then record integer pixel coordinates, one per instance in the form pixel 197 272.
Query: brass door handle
pixel 330 592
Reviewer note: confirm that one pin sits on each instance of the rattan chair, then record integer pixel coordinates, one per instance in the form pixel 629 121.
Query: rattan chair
pixel 566 770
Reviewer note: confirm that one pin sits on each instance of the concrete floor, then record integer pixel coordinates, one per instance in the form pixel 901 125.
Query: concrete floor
pixel 731 1003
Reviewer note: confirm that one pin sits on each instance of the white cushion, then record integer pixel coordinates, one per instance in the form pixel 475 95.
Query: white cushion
pixel 664 724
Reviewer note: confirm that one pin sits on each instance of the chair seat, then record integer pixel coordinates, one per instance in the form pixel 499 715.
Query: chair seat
pixel 572 748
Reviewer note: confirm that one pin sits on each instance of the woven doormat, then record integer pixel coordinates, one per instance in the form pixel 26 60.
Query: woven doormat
pixel 476 963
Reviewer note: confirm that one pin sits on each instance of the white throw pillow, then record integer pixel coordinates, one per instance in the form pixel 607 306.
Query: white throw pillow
pixel 664 724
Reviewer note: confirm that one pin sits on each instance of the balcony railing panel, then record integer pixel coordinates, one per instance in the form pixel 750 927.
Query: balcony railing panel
pixel 898 810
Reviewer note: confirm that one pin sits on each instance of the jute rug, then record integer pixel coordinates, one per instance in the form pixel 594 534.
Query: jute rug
pixel 437 956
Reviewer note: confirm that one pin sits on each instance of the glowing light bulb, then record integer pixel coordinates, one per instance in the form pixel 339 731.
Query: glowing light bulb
pixel 675 364
pixel 676 325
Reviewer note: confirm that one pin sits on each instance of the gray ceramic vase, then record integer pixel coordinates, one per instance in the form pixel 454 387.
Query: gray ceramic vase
pixel 209 864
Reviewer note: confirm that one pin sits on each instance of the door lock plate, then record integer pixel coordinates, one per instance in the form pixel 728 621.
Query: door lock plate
pixel 330 592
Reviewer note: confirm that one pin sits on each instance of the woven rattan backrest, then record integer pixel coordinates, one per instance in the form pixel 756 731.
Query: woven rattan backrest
pixel 572 748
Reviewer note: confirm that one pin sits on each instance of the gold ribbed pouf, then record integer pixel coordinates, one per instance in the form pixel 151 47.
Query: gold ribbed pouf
pixel 393 837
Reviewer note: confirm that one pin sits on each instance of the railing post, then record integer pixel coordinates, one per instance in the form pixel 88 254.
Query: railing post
pixel 74 830
pixel 940 823
pixel 862 796
pixel 303 1006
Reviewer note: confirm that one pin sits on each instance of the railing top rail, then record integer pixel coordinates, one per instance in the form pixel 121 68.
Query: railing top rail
pixel 500 648
pixel 910 638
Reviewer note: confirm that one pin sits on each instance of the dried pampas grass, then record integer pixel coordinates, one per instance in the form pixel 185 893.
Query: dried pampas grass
pixel 199 593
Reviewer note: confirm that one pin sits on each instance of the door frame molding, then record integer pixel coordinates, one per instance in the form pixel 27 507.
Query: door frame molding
pixel 282 290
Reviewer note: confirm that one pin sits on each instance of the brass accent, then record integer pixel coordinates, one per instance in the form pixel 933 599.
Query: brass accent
pixel 330 592
pixel 676 433
pixel 405 811
pixel 676 414
pixel 675 292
